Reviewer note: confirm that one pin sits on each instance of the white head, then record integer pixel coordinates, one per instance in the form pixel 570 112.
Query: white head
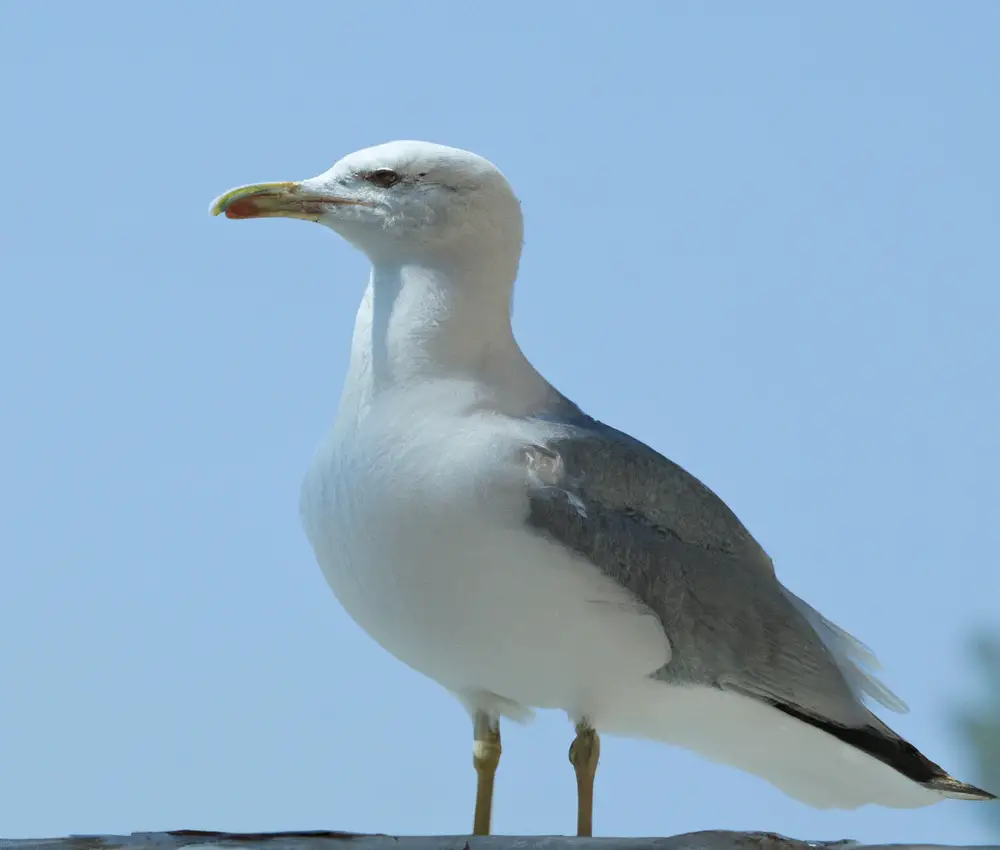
pixel 397 202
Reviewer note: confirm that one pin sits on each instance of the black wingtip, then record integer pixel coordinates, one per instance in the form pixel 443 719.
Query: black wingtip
pixel 951 787
pixel 882 743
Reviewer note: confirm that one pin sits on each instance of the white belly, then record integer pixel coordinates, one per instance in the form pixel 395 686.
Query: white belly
pixel 442 572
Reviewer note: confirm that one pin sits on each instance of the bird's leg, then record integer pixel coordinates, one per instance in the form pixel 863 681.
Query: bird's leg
pixel 485 758
pixel 584 753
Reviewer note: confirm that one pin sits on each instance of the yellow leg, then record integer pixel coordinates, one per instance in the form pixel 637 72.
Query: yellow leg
pixel 584 753
pixel 485 758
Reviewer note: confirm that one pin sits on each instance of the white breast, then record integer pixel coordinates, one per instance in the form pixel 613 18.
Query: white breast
pixel 420 533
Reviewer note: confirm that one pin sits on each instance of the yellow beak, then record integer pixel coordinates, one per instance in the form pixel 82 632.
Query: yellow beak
pixel 276 200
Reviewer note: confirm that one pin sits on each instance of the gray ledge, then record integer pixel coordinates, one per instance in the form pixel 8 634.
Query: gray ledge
pixel 324 840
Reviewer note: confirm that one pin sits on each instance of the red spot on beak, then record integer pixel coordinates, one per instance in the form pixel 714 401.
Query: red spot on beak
pixel 242 208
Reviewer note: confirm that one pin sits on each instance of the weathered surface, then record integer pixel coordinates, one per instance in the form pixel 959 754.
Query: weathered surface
pixel 323 840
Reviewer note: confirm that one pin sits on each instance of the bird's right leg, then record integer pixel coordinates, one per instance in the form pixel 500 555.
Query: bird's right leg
pixel 485 758
pixel 584 753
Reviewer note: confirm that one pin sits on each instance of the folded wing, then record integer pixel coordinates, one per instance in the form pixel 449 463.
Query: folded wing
pixel 661 533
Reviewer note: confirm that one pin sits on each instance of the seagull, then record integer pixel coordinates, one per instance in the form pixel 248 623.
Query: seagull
pixel 487 532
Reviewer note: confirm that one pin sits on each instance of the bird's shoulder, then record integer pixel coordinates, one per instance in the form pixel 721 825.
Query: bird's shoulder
pixel 587 466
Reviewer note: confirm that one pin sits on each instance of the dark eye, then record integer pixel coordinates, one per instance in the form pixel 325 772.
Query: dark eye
pixel 384 177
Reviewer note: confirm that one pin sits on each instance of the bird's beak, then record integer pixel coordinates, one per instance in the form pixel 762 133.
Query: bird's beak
pixel 278 200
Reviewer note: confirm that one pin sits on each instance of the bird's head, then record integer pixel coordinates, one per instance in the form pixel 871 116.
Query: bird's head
pixel 397 199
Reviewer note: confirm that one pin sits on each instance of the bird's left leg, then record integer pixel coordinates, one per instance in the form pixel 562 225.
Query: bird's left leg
pixel 584 753
pixel 485 758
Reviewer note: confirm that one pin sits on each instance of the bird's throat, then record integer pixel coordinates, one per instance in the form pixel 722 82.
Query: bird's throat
pixel 420 322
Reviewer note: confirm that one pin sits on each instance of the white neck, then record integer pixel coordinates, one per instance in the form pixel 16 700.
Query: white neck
pixel 446 320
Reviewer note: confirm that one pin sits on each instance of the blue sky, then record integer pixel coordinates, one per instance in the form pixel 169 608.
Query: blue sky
pixel 761 237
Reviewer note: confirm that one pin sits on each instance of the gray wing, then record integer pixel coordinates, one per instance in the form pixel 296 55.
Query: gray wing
pixel 661 533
